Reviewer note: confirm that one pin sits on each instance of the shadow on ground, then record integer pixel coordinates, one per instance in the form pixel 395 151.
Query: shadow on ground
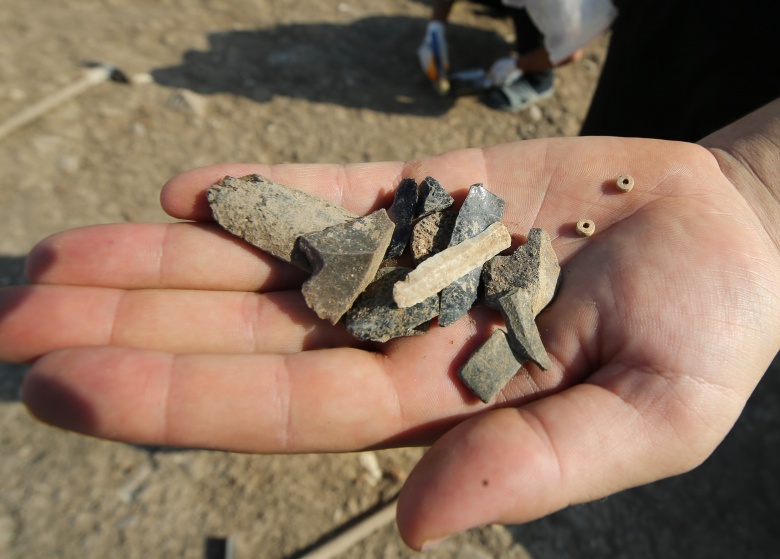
pixel 11 273
pixel 728 507
pixel 370 63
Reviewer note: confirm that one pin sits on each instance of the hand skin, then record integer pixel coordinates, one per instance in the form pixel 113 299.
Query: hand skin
pixel 179 334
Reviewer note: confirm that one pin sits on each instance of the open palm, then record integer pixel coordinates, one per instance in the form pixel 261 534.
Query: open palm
pixel 666 319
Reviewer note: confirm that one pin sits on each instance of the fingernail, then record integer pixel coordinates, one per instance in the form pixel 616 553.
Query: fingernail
pixel 433 544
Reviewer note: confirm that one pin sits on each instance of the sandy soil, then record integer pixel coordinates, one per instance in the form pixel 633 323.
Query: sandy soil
pixel 269 81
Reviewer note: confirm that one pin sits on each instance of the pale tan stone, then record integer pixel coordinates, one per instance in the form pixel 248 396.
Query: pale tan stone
pixel 451 264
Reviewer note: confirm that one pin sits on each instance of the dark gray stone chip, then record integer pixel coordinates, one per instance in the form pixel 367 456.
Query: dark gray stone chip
pixel 491 367
pixel 480 209
pixel 433 198
pixel 402 214
pixel 376 317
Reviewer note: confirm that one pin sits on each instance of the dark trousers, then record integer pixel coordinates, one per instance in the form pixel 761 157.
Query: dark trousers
pixel 681 69
pixel 528 35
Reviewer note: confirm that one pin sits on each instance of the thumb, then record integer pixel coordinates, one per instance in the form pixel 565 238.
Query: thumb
pixel 515 465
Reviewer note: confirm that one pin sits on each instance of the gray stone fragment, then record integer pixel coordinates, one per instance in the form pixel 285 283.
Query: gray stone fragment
pixel 524 338
pixel 479 210
pixel 433 198
pixel 532 267
pixel 402 214
pixel 431 235
pixel 490 367
pixel 375 316
pixel 345 259
pixel 272 216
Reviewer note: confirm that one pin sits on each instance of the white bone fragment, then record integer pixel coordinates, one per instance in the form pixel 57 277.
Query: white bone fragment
pixel 443 268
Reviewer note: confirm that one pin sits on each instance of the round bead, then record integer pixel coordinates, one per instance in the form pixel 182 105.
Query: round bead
pixel 625 183
pixel 586 227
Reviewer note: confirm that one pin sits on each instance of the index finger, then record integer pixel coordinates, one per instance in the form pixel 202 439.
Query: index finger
pixel 360 187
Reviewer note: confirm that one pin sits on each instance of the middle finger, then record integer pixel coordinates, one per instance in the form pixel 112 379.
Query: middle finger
pixel 177 321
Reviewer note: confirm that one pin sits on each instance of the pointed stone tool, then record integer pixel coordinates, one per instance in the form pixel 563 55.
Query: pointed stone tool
pixel 433 198
pixel 490 367
pixel 533 267
pixel 272 216
pixel 375 316
pixel 479 210
pixel 402 214
pixel 523 337
pixel 431 235
pixel 440 270
pixel 345 259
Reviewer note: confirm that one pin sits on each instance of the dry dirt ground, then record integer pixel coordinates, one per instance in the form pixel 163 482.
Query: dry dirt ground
pixel 282 81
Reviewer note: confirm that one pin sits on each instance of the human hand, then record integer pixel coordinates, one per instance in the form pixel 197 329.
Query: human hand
pixel 179 334
pixel 433 55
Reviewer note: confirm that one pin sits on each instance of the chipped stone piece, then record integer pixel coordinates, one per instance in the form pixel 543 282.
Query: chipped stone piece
pixel 433 198
pixel 441 270
pixel 625 183
pixel 402 214
pixel 523 336
pixel 586 227
pixel 272 216
pixel 345 259
pixel 375 316
pixel 533 267
pixel 431 235
pixel 491 367
pixel 480 209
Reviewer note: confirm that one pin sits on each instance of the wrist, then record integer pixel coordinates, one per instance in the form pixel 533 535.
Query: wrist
pixel 748 152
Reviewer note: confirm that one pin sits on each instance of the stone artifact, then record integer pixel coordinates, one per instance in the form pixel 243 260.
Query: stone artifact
pixel 272 216
pixel 442 269
pixel 479 210
pixel 452 251
pixel 625 183
pixel 375 316
pixel 433 198
pixel 523 336
pixel 491 367
pixel 586 227
pixel 431 234
pixel 345 259
pixel 519 286
pixel 402 214
pixel 533 267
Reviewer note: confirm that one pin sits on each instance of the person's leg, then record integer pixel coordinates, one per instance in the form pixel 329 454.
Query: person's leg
pixel 441 10
pixel 535 83
pixel 529 40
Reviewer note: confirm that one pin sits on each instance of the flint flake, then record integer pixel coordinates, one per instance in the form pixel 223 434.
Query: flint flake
pixel 523 337
pixel 433 198
pixel 491 367
pixel 375 316
pixel 345 259
pixel 271 216
pixel 402 214
pixel 479 210
pixel 532 267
